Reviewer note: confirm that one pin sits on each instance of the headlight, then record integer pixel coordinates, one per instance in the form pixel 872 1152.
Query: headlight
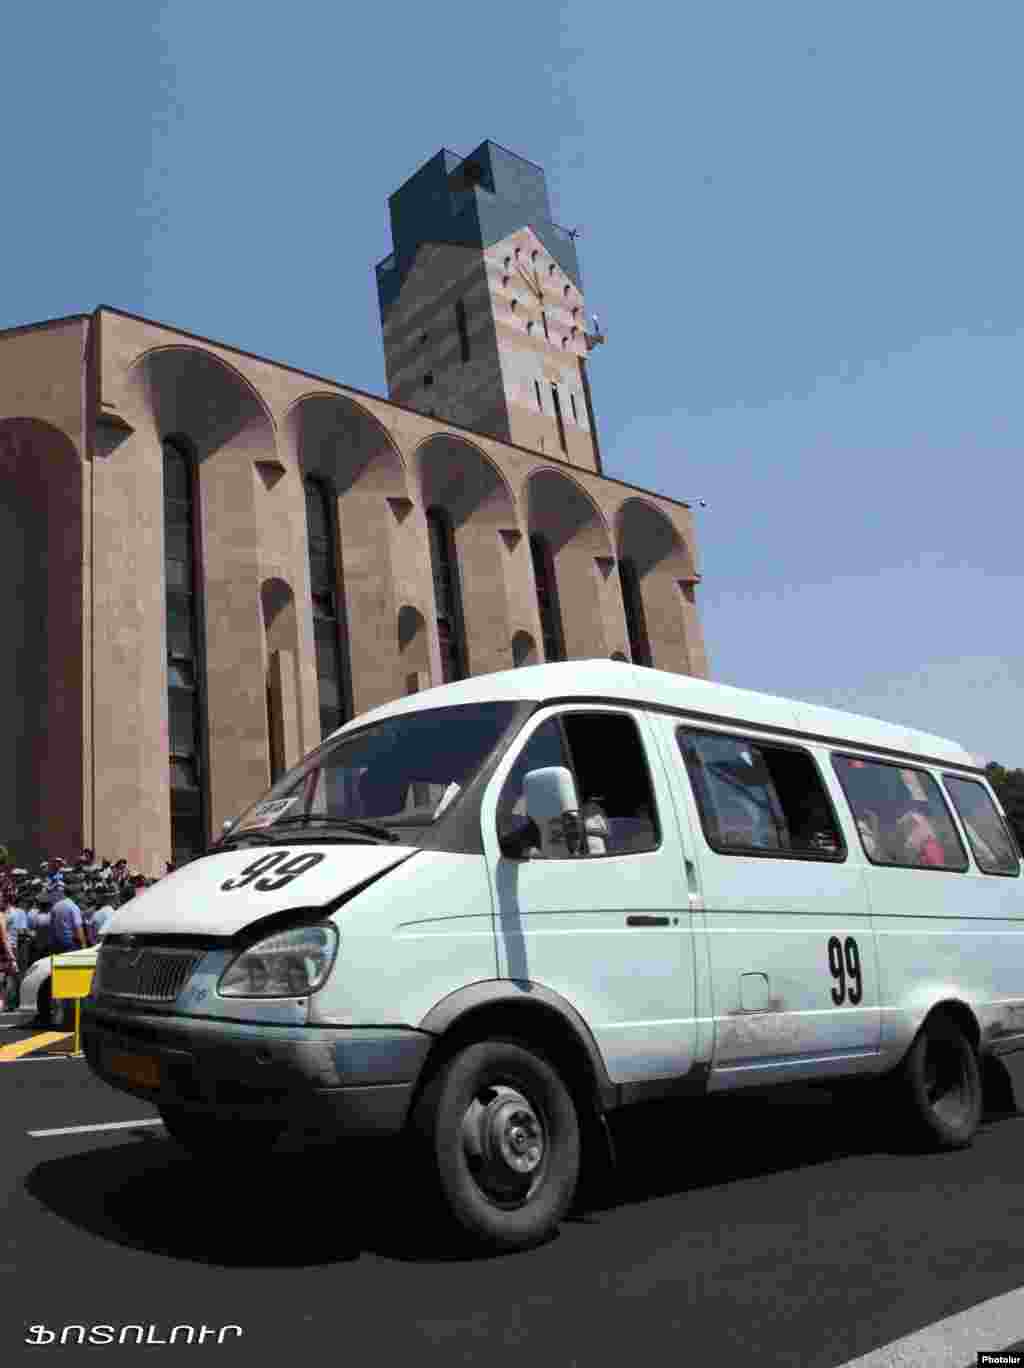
pixel 290 964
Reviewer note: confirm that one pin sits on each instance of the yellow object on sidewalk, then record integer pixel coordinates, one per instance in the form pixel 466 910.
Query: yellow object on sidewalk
pixel 71 981
pixel 36 1042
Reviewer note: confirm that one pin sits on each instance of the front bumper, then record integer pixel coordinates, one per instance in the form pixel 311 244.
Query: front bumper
pixel 356 1080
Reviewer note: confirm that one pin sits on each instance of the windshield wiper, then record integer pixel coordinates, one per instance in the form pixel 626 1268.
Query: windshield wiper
pixel 345 823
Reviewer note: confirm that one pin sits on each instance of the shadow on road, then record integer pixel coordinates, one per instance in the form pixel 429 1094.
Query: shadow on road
pixel 311 1204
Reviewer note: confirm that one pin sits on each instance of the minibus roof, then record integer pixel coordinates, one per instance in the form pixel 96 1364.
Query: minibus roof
pixel 615 681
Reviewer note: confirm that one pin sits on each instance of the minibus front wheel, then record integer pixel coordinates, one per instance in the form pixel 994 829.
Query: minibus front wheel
pixel 498 1131
pixel 942 1083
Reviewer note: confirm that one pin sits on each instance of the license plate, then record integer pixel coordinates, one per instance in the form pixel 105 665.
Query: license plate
pixel 142 1070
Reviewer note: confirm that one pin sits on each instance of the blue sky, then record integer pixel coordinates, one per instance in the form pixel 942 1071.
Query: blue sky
pixel 801 229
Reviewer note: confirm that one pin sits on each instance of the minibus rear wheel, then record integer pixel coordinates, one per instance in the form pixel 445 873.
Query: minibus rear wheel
pixel 206 1137
pixel 499 1135
pixel 942 1083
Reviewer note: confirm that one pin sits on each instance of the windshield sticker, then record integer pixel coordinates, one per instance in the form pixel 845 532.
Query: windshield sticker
pixel 267 813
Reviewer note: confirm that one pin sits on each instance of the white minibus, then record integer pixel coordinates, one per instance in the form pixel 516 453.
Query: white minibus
pixel 488 914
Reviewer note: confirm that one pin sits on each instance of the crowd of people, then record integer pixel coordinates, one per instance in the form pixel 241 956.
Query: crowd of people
pixel 60 907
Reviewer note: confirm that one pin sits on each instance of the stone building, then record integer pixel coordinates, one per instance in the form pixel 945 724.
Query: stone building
pixel 210 559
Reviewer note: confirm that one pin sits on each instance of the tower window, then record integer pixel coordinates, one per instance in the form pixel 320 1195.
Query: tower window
pixel 504 281
pixel 551 269
pixel 540 401
pixel 529 326
pixel 565 292
pixel 544 320
pixel 558 417
pixel 518 250
pixel 428 379
pixel 460 321
pixel 508 262
pixel 572 400
pixel 574 332
pixel 423 338
pixel 575 313
pixel 514 305
pixel 534 256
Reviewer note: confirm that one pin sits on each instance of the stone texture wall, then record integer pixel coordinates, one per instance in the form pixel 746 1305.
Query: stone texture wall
pixel 257 429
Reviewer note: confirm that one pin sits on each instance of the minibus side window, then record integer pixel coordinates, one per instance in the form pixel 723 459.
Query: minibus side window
pixel 760 799
pixel 901 815
pixel 604 754
pixel 990 840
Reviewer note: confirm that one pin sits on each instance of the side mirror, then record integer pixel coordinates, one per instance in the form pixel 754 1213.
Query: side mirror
pixel 551 802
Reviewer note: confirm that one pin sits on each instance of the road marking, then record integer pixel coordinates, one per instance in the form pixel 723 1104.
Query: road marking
pixel 36 1042
pixel 956 1341
pixel 105 1126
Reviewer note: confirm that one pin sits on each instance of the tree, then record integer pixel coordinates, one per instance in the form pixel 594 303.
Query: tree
pixel 1009 787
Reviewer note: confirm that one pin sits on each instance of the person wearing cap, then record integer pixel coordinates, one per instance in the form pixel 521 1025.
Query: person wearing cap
pixel 66 927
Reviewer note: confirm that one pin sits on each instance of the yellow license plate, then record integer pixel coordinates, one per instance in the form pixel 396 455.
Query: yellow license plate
pixel 142 1070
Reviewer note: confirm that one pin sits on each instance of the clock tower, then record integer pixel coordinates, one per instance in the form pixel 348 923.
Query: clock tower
pixel 482 306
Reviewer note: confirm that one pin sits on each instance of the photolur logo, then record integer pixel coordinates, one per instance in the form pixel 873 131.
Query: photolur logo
pixel 129 1334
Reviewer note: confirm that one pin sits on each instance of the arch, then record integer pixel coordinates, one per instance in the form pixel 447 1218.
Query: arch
pixel 413 648
pixel 45 682
pixel 646 536
pixel 457 476
pixel 524 650
pixel 341 441
pixel 458 480
pixel 572 560
pixel 188 389
pixel 656 576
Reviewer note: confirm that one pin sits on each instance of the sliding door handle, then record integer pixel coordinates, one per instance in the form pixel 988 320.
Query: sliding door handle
pixel 639 920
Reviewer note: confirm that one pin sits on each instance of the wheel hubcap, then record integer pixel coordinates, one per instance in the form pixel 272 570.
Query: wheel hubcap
pixel 505 1144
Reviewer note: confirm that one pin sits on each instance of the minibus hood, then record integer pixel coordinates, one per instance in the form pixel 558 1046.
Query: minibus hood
pixel 193 901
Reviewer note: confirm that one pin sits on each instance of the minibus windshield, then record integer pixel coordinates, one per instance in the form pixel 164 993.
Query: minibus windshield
pixel 402 772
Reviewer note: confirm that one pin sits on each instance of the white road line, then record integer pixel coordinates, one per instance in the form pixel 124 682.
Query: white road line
pixel 107 1125
pixel 956 1341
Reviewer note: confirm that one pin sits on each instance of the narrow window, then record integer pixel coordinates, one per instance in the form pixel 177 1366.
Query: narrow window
pixel 900 814
pixel 572 400
pixel 544 320
pixel 185 673
pixel 428 379
pixel 760 799
pixel 540 401
pixel 558 417
pixel 460 320
pixel 327 619
pixel 632 601
pixel 547 599
pixel 987 832
pixel 447 597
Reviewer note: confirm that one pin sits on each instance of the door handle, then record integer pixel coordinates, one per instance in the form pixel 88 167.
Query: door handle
pixel 639 920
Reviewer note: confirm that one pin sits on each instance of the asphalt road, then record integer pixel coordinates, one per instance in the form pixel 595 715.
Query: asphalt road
pixel 779 1231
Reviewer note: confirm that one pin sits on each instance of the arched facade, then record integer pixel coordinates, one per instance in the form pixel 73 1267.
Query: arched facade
pixel 657 576
pixel 43 531
pixel 457 478
pixel 89 408
pixel 582 559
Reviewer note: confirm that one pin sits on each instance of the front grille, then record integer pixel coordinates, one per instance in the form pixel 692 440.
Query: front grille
pixel 152 974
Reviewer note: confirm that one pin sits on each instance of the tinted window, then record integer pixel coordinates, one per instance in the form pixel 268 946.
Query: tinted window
pixel 403 771
pixel 757 798
pixel 605 757
pixel 990 840
pixel 900 814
